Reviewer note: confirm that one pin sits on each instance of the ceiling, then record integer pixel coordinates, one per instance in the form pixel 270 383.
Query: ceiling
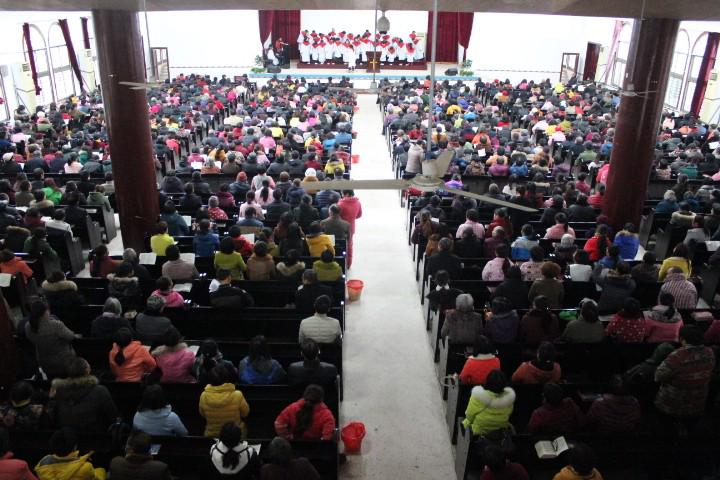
pixel 707 10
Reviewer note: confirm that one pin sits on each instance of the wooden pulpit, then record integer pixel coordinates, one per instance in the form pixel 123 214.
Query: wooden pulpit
pixel 373 61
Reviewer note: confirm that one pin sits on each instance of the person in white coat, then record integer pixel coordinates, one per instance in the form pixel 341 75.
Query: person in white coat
pixel 304 48
pixel 321 52
pixel 270 54
pixel 401 52
pixel 314 52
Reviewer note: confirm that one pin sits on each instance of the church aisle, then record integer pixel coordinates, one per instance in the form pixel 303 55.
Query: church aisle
pixel 390 382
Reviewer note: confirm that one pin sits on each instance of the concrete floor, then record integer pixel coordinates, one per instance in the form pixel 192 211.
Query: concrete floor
pixel 390 382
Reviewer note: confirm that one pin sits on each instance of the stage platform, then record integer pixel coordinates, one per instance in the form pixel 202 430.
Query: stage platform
pixel 383 66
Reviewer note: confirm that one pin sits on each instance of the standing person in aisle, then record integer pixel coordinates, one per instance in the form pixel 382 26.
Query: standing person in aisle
pixel 350 210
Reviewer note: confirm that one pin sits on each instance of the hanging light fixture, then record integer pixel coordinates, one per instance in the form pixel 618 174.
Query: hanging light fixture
pixel 383 24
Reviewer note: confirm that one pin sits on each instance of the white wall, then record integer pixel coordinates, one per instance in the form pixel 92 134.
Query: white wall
pixel 207 42
pixel 401 22
pixel 531 46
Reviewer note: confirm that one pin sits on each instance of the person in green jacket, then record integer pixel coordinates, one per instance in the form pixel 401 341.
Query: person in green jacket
pixel 327 269
pixel 52 192
pixel 229 259
pixel 490 407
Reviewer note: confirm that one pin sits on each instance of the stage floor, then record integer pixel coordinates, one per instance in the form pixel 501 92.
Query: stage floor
pixel 320 73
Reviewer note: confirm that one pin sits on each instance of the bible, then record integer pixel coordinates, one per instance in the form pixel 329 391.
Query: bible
pixel 551 449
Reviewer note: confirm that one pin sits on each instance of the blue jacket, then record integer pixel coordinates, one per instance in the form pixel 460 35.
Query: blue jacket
pixel 519 170
pixel 628 243
pixel 176 224
pixel 160 422
pixel 521 248
pixel 205 244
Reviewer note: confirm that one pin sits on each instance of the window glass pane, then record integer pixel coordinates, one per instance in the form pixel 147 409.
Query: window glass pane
pixel 678 64
pixel 688 96
pixel 672 95
pixel 695 67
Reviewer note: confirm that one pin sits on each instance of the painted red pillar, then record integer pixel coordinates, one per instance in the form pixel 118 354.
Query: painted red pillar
pixel 638 118
pixel 120 54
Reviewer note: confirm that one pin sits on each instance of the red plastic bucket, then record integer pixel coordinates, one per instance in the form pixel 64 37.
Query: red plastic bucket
pixel 352 436
pixel 355 288
pixel 355 158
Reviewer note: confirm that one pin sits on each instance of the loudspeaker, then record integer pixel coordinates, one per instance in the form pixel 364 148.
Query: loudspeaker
pixel 274 69
pixel 451 72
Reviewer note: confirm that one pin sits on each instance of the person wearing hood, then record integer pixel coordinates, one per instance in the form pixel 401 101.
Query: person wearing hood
pixel 155 416
pixel 129 360
pixel 542 369
pixel 60 292
pixel 683 290
pixel 65 461
pixel 258 367
pixel 616 286
pixel 207 358
pixel 138 463
pixel 98 198
pixel 221 402
pixel 628 242
pixel 80 402
pixel 174 358
pixel 124 285
pixel 581 465
pixel 231 457
pixel 308 418
pixel 490 406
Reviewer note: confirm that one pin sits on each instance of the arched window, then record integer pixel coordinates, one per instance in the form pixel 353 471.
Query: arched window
pixel 60 61
pixel 42 65
pixel 693 71
pixel 678 70
pixel 623 50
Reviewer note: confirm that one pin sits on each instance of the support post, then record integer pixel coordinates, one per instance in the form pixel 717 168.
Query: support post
pixel 638 118
pixel 431 103
pixel 120 55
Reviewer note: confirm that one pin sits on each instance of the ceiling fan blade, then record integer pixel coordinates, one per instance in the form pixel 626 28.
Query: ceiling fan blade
pixel 388 184
pixel 439 166
pixel 494 201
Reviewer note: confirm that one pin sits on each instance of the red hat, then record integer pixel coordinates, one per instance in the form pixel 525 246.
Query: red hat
pixel 412 35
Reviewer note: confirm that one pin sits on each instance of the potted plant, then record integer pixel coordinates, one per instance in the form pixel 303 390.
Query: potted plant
pixel 259 65
pixel 466 68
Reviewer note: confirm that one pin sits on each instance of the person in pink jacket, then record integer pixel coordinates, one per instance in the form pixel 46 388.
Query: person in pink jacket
pixel 560 228
pixel 165 290
pixel 663 322
pixel 175 359
pixel 350 210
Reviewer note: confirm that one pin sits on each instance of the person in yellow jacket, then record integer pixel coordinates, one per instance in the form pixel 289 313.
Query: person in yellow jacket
pixel 490 407
pixel 161 240
pixel 66 463
pixel 221 402
pixel 317 241
pixel 327 269
pixel 334 163
pixel 581 466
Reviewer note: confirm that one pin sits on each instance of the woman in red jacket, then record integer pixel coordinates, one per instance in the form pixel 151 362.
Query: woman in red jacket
pixel 597 245
pixel 308 418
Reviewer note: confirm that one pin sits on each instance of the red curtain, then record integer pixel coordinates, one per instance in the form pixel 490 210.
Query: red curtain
pixel 281 23
pixel 31 57
pixel 708 63
pixel 71 52
pixel 592 55
pixel 453 28
pixel 86 35
pixel 265 19
pixel 465 23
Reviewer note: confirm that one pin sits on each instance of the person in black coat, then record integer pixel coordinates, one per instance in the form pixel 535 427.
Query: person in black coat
pixel 311 369
pixel 444 260
pixel 443 297
pixel 227 296
pixel 309 291
pixel 79 402
pixel 513 288
pixel 190 202
pixel 172 184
